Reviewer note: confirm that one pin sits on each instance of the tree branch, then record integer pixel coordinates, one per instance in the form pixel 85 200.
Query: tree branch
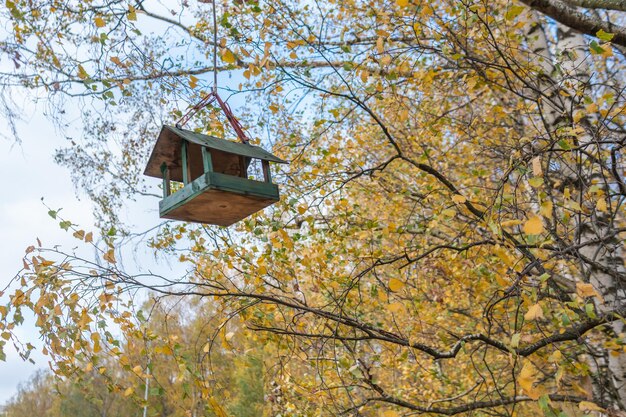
pixel 599 4
pixel 569 16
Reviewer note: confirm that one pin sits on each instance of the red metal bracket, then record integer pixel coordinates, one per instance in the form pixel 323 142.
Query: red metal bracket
pixel 207 100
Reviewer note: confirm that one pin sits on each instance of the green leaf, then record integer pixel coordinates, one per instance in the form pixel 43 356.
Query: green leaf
pixel 564 145
pixel 513 12
pixel 515 340
pixel 590 312
pixel 65 225
pixel 605 36
pixel 544 404
pixel 595 48
pixel 536 182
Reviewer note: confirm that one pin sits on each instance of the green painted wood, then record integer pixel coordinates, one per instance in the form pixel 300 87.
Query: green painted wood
pixel 168 145
pixel 166 180
pixel 185 165
pixel 206 160
pixel 237 148
pixel 222 182
pixel 243 185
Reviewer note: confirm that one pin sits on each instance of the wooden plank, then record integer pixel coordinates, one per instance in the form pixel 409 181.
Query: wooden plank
pixel 243 172
pixel 216 198
pixel 185 161
pixel 267 174
pixel 217 207
pixel 242 185
pixel 206 160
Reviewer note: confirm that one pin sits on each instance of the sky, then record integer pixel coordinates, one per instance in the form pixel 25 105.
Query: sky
pixel 29 173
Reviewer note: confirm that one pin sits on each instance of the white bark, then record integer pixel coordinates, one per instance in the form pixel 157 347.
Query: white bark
pixel 606 254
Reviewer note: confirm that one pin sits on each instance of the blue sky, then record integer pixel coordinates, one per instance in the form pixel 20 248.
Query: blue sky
pixel 29 173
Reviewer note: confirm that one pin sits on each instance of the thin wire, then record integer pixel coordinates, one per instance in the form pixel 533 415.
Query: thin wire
pixel 214 49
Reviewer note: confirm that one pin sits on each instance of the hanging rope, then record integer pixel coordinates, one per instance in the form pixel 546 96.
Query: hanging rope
pixel 213 96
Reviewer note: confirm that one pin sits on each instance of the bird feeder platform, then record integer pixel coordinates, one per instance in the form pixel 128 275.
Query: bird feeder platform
pixel 214 174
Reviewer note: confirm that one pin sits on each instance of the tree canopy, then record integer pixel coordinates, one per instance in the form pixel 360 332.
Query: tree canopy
pixel 450 237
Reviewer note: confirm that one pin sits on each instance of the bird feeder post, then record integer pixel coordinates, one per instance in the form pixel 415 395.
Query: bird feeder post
pixel 166 180
pixel 184 161
pixel 267 174
pixel 207 162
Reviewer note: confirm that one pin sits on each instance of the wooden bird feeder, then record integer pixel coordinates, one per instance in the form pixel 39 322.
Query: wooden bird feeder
pixel 214 172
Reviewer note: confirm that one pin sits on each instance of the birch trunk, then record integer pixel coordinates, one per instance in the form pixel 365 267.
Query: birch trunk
pixel 600 250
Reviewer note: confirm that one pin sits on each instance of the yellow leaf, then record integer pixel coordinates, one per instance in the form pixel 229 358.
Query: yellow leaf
pixel 80 234
pixel 449 212
pixel 555 357
pixel 391 413
pixel 217 408
pixel 88 367
pixel 82 74
pixel 293 55
pixel 526 380
pixel 132 13
pixel 586 290
pixel 99 22
pixel 592 108
pixel 546 209
pixel 534 312
pixel 116 61
pixel 109 256
pixel 128 391
pixel 89 237
pixel 395 307
pixel 513 12
pixel 402 3
pixel 534 226
pixel 601 204
pixel 509 223
pixel 537 171
pixel 608 50
pixel 193 81
pixel 589 406
pixel 380 45
pixel 228 57
pixel 273 108
pixel 458 198
pixel 395 284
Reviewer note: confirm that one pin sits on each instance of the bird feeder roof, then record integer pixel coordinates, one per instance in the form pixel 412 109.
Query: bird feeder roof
pixel 167 149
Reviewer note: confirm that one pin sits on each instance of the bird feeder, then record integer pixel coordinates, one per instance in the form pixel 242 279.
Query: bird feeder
pixel 214 176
